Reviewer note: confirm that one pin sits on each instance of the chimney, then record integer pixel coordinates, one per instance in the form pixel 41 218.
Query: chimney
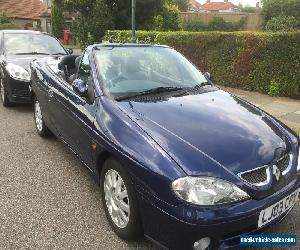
pixel 225 1
pixel 257 5
pixel 208 1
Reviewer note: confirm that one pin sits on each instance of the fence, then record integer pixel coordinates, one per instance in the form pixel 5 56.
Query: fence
pixel 254 21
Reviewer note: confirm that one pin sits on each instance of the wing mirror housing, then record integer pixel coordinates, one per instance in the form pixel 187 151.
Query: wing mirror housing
pixel 80 87
pixel 208 76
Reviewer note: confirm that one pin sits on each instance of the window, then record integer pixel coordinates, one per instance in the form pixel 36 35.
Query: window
pixel 49 3
pixel 136 69
pixel 84 71
pixel 31 43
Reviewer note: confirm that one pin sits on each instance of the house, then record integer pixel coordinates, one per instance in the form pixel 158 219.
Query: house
pixel 210 7
pixel 26 13
pixel 32 14
pixel 194 6
pixel 225 6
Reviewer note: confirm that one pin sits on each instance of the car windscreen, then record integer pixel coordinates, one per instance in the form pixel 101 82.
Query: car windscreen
pixel 129 70
pixel 20 43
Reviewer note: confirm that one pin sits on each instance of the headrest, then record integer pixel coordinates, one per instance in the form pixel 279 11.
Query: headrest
pixel 68 60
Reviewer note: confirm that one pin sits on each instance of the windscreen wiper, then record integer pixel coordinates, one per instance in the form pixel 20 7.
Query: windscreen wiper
pixel 200 85
pixel 149 92
pixel 33 53
pixel 58 54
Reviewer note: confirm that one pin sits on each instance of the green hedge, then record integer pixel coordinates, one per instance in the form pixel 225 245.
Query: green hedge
pixel 247 60
pixel 9 26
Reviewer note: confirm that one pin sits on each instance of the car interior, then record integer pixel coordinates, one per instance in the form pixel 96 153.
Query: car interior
pixel 69 66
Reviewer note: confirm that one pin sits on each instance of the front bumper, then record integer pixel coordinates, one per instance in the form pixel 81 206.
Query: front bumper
pixel 179 227
pixel 18 91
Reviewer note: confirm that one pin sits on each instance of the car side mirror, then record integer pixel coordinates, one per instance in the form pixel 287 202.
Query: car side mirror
pixel 70 51
pixel 80 87
pixel 207 75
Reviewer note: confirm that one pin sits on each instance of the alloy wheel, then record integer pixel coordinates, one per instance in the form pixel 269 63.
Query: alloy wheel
pixel 116 198
pixel 38 116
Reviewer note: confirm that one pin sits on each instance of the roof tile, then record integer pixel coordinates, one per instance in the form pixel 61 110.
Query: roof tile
pixel 27 9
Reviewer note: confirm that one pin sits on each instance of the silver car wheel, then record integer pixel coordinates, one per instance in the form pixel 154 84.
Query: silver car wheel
pixel 38 116
pixel 116 198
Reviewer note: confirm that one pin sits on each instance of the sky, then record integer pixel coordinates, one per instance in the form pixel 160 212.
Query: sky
pixel 244 2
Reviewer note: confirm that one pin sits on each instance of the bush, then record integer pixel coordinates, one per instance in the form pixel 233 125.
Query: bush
pixel 283 24
pixel 9 26
pixel 245 60
pixel 4 19
pixel 274 88
pixel 168 19
pixel 217 24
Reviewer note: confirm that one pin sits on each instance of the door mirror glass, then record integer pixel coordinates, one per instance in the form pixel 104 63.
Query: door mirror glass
pixel 80 87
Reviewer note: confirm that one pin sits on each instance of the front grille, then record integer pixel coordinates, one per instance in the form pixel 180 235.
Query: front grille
pixel 256 176
pixel 261 176
pixel 283 163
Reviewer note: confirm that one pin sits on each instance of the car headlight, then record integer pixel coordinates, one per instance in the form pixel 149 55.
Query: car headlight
pixel 17 72
pixel 207 191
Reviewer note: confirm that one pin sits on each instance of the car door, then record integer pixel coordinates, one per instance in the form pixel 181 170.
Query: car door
pixel 73 115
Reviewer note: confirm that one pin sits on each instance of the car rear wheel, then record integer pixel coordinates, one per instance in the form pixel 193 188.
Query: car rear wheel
pixel 119 201
pixel 40 125
pixel 3 94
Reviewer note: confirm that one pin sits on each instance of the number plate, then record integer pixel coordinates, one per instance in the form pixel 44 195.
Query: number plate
pixel 279 208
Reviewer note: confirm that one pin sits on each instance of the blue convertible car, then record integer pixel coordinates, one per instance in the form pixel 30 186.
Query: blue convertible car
pixel 178 160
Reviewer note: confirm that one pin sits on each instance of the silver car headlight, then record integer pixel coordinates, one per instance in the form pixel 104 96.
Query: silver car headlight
pixel 17 72
pixel 207 191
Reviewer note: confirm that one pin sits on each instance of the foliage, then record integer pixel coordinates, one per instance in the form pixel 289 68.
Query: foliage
pixel 283 24
pixel 182 4
pixel 95 18
pixel 245 60
pixel 274 88
pixel 57 20
pixel 275 8
pixel 217 24
pixel 9 26
pixel 168 20
pixel 249 9
pixel 4 19
pixel 145 12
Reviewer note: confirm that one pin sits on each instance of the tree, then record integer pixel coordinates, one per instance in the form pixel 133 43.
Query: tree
pixel 145 11
pixel 249 9
pixel 168 19
pixel 182 4
pixel 275 8
pixel 94 19
pixel 57 19
pixel 282 24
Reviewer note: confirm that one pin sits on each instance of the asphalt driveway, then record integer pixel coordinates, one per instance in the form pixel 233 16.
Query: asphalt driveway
pixel 49 201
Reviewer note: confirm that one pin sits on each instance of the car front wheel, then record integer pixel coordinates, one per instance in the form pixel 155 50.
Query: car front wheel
pixel 3 94
pixel 40 125
pixel 119 201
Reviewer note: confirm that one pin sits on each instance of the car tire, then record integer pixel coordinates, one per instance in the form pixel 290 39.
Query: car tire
pixel 40 125
pixel 119 201
pixel 3 94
